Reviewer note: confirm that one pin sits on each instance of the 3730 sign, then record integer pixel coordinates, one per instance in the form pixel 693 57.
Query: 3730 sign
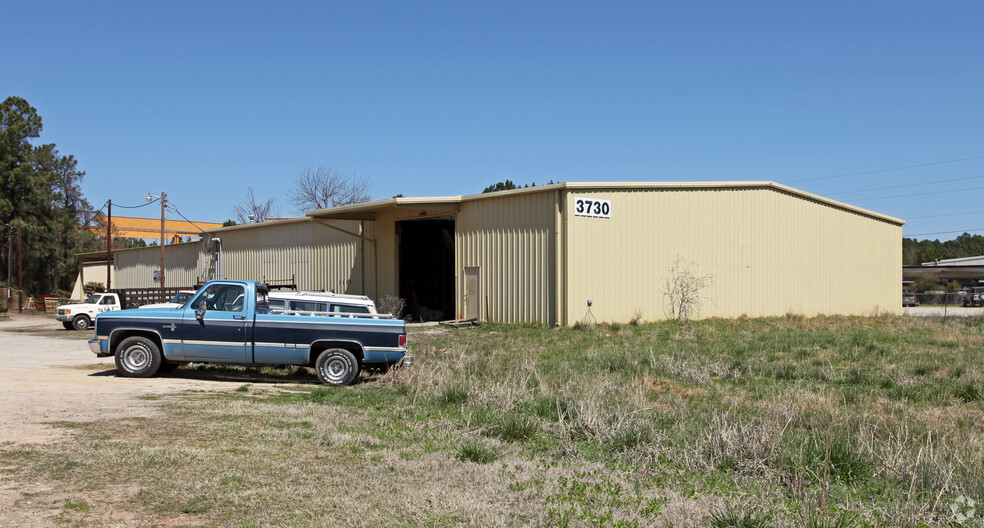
pixel 592 207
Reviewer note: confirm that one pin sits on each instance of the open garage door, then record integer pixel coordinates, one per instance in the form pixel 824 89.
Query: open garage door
pixel 426 267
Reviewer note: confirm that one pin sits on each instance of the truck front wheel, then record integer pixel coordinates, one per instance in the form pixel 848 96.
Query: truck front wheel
pixel 336 366
pixel 67 325
pixel 138 357
pixel 81 322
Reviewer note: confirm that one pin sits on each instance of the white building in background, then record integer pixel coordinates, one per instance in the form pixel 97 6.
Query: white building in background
pixel 963 261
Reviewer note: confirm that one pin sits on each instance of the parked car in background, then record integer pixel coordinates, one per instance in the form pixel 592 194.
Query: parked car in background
pixel 909 299
pixel 316 302
pixel 80 316
pixel 177 301
pixel 973 297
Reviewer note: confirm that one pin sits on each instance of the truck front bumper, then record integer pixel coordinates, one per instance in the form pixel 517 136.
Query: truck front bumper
pixel 95 345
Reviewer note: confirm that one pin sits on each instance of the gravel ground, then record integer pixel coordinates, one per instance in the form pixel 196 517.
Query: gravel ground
pixel 48 374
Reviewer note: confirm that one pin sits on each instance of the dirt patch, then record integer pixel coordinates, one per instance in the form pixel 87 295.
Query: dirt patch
pixel 50 376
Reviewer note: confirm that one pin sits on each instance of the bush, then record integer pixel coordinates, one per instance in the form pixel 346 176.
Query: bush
pixel 393 305
pixel 93 287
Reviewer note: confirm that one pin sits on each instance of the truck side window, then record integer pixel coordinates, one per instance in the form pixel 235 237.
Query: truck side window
pixel 223 298
pixel 348 308
pixel 106 300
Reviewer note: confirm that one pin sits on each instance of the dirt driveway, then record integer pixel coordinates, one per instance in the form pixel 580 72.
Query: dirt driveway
pixel 48 374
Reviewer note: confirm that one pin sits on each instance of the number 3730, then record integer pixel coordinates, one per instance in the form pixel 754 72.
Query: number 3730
pixel 592 207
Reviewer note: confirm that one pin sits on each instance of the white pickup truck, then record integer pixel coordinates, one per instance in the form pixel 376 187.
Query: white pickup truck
pixel 80 316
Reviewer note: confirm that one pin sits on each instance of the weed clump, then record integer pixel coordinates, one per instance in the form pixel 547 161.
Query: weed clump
pixel 473 451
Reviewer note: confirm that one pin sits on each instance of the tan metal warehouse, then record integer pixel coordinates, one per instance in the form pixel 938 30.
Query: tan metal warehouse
pixel 537 254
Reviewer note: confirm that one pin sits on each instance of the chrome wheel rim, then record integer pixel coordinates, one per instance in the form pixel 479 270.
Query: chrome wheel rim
pixel 335 369
pixel 136 358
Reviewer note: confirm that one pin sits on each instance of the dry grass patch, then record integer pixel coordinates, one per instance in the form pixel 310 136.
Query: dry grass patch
pixel 810 421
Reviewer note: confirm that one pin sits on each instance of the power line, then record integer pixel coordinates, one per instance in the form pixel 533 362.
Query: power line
pixel 172 207
pixel 907 185
pixel 962 231
pixel 930 164
pixel 155 200
pixel 942 215
pixel 916 194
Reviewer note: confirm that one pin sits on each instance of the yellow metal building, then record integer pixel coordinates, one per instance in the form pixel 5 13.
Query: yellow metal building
pixel 540 254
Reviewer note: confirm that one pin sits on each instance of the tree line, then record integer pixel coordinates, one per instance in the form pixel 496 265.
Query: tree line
pixel 915 252
pixel 43 213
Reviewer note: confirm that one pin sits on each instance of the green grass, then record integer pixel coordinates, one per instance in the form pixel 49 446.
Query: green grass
pixel 793 421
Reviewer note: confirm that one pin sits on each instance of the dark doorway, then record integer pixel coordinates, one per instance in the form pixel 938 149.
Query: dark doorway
pixel 426 260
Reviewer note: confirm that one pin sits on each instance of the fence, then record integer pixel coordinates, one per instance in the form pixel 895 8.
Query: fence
pixel 134 297
pixel 941 298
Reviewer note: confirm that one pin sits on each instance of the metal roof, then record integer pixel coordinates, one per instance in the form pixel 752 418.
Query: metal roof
pixel 368 210
pixel 963 261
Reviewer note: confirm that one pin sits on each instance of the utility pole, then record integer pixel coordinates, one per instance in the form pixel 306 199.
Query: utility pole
pixel 10 263
pixel 109 246
pixel 163 198
pixel 20 268
pixel 163 202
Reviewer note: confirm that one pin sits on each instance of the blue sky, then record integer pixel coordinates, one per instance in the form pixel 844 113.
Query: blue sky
pixel 205 99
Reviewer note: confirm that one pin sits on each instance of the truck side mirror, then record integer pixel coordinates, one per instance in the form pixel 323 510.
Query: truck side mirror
pixel 200 312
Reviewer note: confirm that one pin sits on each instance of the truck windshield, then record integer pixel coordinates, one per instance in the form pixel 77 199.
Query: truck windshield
pixel 93 299
pixel 181 297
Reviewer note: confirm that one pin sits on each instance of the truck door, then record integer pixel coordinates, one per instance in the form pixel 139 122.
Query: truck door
pixel 107 304
pixel 221 333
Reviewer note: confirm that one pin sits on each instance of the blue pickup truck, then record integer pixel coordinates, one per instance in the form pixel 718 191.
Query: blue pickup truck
pixel 230 322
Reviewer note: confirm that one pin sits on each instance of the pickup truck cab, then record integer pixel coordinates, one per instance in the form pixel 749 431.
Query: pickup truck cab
pixel 230 322
pixel 80 316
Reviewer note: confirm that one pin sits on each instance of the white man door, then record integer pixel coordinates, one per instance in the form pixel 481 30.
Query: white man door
pixel 472 301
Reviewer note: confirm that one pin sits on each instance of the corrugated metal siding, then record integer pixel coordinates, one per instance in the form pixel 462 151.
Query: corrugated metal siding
pixel 316 256
pixel 768 252
pixel 134 268
pixel 511 242
pixel 344 262
pixel 271 251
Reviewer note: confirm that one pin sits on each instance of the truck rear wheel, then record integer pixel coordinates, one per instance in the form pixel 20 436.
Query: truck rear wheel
pixel 138 357
pixel 336 366
pixel 81 322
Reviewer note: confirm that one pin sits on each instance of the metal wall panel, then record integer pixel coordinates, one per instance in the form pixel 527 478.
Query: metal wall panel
pixel 269 251
pixel 344 256
pixel 511 241
pixel 134 268
pixel 314 255
pixel 768 253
